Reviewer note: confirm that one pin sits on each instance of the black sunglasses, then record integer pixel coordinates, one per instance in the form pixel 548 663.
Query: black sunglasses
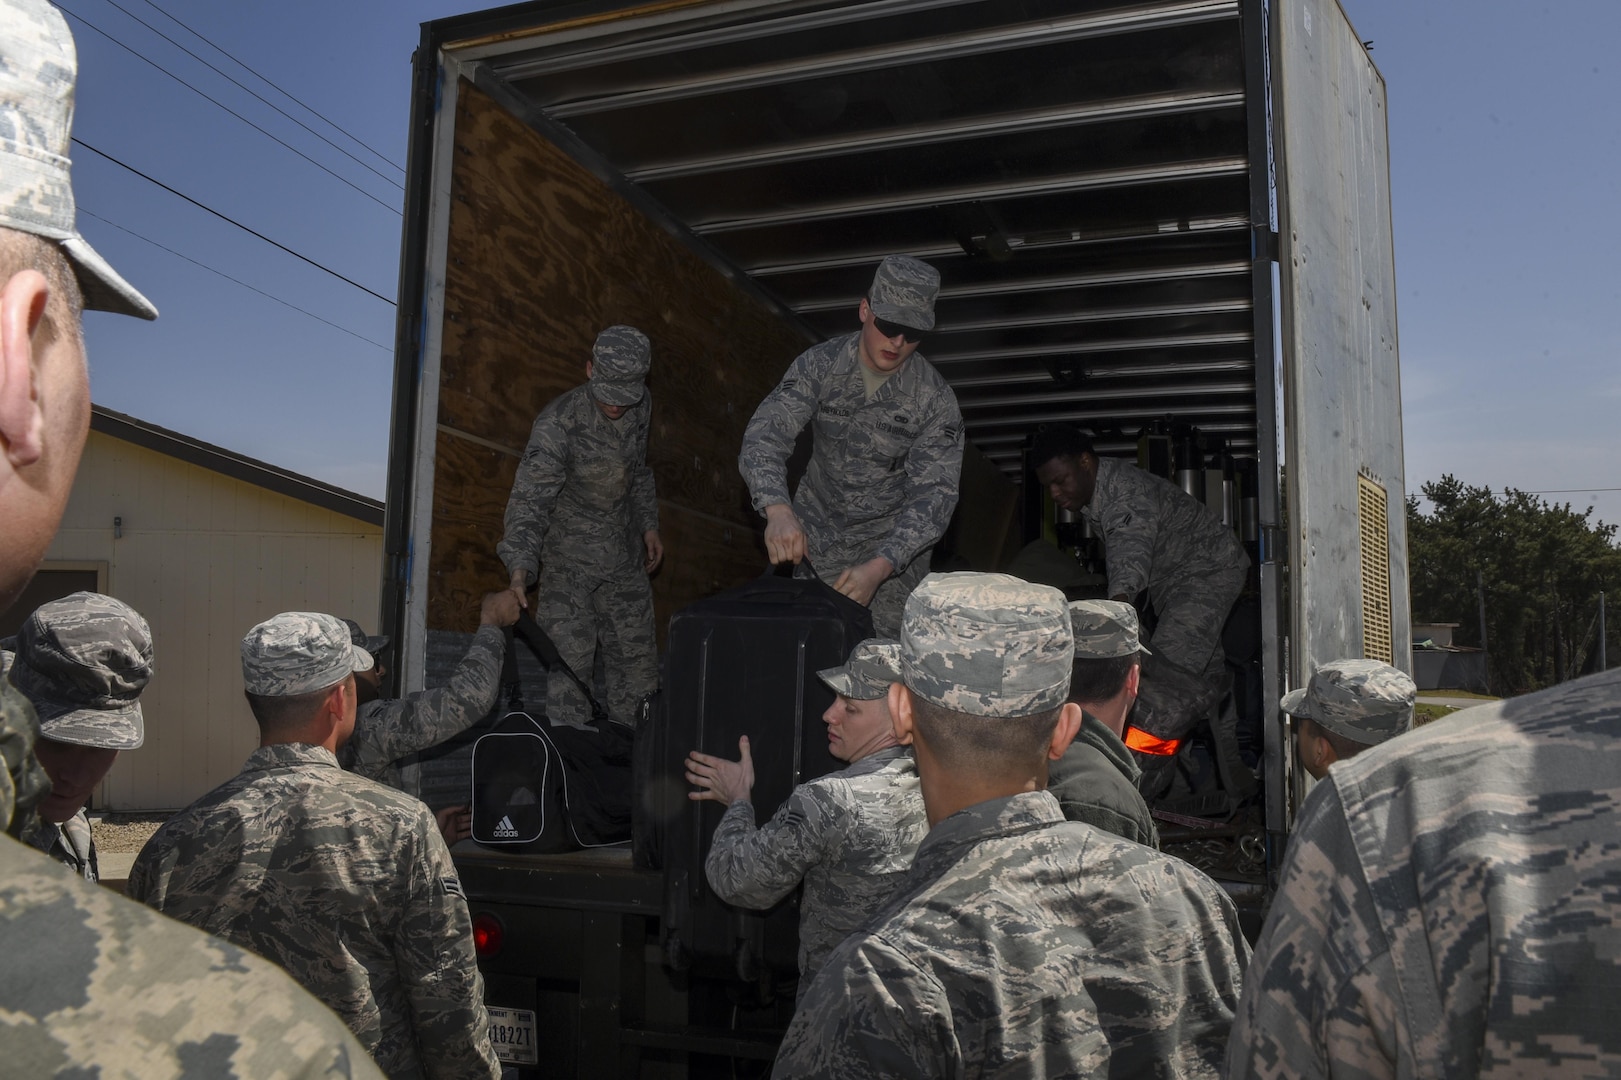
pixel 912 335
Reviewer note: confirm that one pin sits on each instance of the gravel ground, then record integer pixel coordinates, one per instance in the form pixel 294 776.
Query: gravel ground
pixel 124 832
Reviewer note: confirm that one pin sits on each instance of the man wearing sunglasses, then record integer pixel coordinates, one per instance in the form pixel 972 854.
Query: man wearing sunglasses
pixel 886 452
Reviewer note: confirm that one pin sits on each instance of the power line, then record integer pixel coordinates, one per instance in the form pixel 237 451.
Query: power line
pixel 382 176
pixel 233 221
pixel 335 175
pixel 237 281
pixel 271 83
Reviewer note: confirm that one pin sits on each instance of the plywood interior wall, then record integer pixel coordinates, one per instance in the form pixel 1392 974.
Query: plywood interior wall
pixel 542 256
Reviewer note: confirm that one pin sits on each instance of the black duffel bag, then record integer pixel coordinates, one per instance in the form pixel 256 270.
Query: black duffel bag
pixel 540 789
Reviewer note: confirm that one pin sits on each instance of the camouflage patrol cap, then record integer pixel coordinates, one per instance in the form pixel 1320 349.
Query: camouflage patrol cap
pixel 299 652
pixel 903 291
pixel 619 363
pixel 987 644
pixel 873 665
pixel 83 661
pixel 1104 629
pixel 1362 700
pixel 373 644
pixel 38 67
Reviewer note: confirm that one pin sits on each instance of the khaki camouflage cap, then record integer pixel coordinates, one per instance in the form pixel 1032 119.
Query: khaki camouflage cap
pixel 619 363
pixel 873 665
pixel 903 291
pixel 299 652
pixel 987 644
pixel 1362 700
pixel 38 67
pixel 83 661
pixel 1104 629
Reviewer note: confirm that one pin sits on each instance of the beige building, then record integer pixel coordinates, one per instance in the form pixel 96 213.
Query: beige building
pixel 204 543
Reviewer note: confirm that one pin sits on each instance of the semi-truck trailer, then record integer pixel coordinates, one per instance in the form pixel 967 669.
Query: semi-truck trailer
pixel 1165 221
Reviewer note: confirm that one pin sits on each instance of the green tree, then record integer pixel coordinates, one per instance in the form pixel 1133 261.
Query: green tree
pixel 1543 565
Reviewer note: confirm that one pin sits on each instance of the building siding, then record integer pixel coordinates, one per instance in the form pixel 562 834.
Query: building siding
pixel 204 557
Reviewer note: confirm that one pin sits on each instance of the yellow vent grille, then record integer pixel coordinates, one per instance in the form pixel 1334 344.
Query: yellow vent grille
pixel 1372 512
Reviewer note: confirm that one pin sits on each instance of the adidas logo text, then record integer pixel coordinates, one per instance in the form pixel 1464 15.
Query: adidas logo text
pixel 504 829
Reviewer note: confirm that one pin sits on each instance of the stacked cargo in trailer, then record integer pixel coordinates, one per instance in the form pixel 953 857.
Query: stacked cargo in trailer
pixel 1165 221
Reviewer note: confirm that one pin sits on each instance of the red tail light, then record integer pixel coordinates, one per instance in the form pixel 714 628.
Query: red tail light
pixel 487 934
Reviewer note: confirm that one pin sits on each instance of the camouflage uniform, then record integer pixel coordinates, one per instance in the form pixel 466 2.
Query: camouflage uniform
pixel 344 882
pixel 580 504
pixel 389 729
pixel 1448 904
pixel 884 470
pixel 1021 944
pixel 1158 537
pixel 1096 779
pixel 83 661
pixel 850 836
pixel 96 985
pixel 1096 782
pixel 69 843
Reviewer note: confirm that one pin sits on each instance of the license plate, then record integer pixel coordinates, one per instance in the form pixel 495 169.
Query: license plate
pixel 513 1033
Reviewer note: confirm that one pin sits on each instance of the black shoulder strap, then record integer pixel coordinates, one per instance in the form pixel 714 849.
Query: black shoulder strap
pixel 546 652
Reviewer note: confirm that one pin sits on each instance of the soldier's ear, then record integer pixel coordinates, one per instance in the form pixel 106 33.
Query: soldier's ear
pixel 22 421
pixel 1326 754
pixel 900 713
pixel 864 311
pixel 1064 731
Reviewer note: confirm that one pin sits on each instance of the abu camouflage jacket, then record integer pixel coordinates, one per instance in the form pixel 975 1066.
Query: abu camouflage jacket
pixel 584 492
pixel 346 884
pixel 1024 945
pixel 850 836
pixel 883 473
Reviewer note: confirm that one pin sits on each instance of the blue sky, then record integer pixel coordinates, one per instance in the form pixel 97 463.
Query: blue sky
pixel 1505 144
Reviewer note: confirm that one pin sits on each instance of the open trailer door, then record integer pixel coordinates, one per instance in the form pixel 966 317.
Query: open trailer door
pixel 1344 492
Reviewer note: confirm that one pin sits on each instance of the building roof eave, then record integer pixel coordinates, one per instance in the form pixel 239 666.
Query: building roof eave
pixel 237 466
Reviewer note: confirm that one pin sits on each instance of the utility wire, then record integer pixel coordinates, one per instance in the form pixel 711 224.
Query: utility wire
pixel 335 175
pixel 382 176
pixel 237 281
pixel 271 83
pixel 233 221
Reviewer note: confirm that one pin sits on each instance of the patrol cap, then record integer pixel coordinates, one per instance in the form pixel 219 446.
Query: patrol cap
pixel 873 665
pixel 1361 700
pixel 987 644
pixel 374 644
pixel 1104 629
pixel 38 67
pixel 619 363
pixel 299 652
pixel 903 291
pixel 83 661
